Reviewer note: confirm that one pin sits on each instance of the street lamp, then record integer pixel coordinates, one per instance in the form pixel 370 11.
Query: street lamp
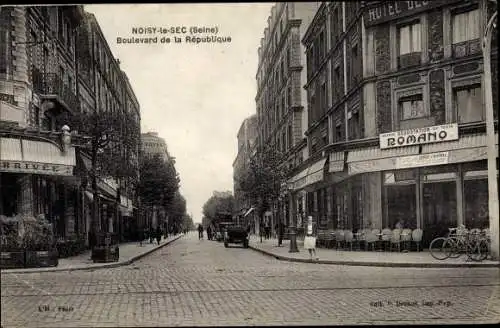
pixel 292 229
pixel 490 138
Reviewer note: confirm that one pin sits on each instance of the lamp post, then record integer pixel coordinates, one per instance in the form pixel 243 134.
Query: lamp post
pixel 490 137
pixel 292 230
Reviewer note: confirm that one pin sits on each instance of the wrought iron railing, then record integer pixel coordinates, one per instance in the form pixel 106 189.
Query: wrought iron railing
pixel 51 84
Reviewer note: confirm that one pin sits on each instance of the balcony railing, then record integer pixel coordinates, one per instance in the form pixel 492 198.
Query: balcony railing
pixel 409 60
pixel 51 86
pixel 466 48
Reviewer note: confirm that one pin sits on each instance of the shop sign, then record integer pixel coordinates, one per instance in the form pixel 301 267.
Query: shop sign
pixel 419 136
pixel 407 162
pixel 389 10
pixel 36 168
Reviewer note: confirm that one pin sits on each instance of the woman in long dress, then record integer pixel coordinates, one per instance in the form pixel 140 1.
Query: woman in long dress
pixel 310 240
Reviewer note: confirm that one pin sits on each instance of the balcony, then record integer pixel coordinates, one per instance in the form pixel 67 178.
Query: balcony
pixel 409 60
pixel 467 48
pixel 50 86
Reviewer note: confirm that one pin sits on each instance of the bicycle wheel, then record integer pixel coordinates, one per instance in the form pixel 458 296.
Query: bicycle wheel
pixel 454 247
pixel 478 251
pixel 440 249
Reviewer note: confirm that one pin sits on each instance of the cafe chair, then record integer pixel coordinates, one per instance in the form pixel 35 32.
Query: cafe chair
pixel 406 238
pixel 386 238
pixel 348 238
pixel 370 239
pixel 339 238
pixel 416 237
pixel 396 239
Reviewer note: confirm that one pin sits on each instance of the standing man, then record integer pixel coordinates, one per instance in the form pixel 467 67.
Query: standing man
pixel 209 233
pixel 200 232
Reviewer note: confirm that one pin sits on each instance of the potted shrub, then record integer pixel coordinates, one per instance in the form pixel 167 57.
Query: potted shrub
pixel 38 242
pixel 11 251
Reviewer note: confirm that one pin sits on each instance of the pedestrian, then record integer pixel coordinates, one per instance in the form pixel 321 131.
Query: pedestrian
pixel 281 232
pixel 209 233
pixel 200 232
pixel 158 235
pixel 140 235
pixel 310 239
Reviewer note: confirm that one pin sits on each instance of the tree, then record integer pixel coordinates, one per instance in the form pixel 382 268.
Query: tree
pixel 261 182
pixel 218 205
pixel 159 181
pixel 187 222
pixel 113 139
pixel 176 211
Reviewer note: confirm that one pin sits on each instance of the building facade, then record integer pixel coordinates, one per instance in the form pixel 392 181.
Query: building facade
pixel 37 91
pixel 396 116
pixel 246 137
pixel 48 73
pixel 281 100
pixel 152 144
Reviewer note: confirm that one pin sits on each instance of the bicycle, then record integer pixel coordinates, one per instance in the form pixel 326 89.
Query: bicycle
pixel 459 241
pixel 475 244
pixel 440 248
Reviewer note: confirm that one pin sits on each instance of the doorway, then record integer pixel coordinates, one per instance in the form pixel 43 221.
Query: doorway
pixel 439 209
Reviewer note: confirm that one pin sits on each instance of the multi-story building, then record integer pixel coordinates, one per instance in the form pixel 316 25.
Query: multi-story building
pixel 153 145
pixel 37 93
pixel 404 114
pixel 103 86
pixel 281 100
pixel 246 140
pixel 49 71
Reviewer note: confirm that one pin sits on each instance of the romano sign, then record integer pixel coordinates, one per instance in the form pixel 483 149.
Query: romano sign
pixel 385 11
pixel 36 168
pixel 431 134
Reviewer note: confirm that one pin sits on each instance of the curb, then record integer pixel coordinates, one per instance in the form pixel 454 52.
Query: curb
pixel 378 264
pixel 100 266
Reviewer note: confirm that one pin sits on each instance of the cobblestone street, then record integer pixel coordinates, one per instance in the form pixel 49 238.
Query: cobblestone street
pixel 192 282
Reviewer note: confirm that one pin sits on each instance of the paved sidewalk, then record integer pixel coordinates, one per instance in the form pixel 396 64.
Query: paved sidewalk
pixel 129 253
pixel 361 258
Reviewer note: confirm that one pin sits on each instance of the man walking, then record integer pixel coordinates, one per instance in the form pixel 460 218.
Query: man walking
pixel 200 232
pixel 209 233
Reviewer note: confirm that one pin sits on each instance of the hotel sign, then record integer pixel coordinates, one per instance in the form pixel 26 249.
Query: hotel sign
pixel 36 168
pixel 408 162
pixel 411 137
pixel 388 10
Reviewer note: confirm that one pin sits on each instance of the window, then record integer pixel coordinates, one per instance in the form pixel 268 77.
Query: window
pixel 4 50
pixel 290 139
pixel 323 100
pixel 288 57
pixel 468 104
pixel 354 128
pixel 289 96
pixel 322 46
pixel 410 39
pixel 412 107
pixel 338 131
pixel 465 26
pixel 354 63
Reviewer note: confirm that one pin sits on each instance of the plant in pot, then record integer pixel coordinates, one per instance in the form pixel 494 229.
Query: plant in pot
pixel 11 251
pixel 38 242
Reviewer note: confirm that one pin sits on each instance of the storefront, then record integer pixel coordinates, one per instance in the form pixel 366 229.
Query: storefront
pixel 431 185
pixel 36 178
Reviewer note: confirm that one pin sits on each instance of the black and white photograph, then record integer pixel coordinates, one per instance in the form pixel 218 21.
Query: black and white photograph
pixel 249 164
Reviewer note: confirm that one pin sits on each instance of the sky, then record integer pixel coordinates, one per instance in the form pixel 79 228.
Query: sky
pixel 194 95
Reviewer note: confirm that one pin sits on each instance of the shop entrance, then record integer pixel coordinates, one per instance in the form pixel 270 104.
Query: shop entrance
pixel 439 209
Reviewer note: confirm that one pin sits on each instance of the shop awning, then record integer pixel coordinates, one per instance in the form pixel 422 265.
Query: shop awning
pixel 374 159
pixel 316 172
pixel 19 155
pixel 468 148
pixel 312 174
pixel 336 162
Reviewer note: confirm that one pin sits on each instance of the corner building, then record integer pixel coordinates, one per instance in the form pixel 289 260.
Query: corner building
pixel 281 100
pixel 396 116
